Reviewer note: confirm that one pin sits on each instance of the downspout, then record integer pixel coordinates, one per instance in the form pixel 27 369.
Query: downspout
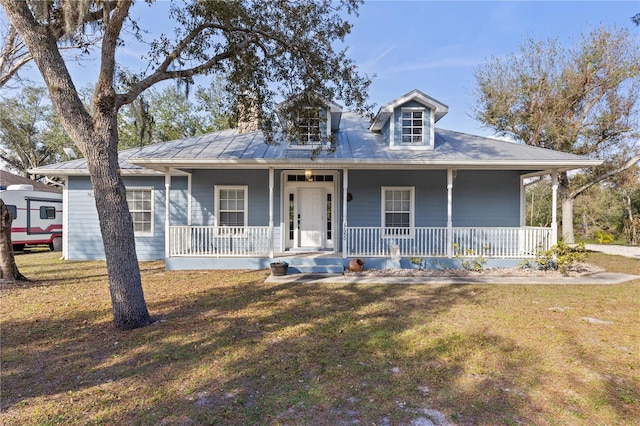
pixel 450 212
pixel 167 215
pixel 271 239
pixel 345 186
pixel 554 207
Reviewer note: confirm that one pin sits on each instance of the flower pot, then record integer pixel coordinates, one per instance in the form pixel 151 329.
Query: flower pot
pixel 278 269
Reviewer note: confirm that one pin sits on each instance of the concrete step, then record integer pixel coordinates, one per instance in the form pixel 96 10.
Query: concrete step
pixel 324 269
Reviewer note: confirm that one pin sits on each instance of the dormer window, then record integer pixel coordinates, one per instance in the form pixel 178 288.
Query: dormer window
pixel 412 126
pixel 408 122
pixel 309 126
pixel 309 122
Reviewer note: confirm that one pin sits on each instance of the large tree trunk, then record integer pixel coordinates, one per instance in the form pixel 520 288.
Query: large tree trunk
pixel 8 269
pixel 567 220
pixel 116 226
pixel 97 137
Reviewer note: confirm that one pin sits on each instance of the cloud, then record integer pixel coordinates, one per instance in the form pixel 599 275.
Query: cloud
pixel 440 63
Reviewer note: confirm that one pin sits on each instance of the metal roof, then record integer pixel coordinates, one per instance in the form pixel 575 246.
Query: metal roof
pixel 356 147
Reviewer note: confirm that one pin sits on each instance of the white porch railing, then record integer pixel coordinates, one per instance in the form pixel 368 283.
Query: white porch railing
pixel 219 241
pixel 228 241
pixel 489 242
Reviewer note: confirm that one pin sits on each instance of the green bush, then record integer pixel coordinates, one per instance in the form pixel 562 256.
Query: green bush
pixel 470 260
pixel 560 256
pixel 604 237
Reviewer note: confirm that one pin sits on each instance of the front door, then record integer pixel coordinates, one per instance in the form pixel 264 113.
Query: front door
pixel 311 218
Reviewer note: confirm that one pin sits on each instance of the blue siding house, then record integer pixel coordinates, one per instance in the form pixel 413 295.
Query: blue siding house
pixel 384 190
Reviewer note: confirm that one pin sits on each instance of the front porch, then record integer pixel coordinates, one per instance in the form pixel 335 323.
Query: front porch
pixel 251 247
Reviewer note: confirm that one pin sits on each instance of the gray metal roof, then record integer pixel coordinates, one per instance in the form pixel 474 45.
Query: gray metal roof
pixel 356 147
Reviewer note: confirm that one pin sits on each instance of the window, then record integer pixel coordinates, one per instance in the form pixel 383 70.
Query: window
pixel 13 210
pixel 140 202
pixel 47 212
pixel 291 216
pixel 397 210
pixel 329 209
pixel 231 205
pixel 309 126
pixel 412 126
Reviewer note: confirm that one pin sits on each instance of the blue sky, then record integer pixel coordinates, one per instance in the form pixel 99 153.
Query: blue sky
pixel 434 46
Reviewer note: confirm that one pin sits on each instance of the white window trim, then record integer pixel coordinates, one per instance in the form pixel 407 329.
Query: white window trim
pixel 424 137
pixel 309 145
pixel 153 209
pixel 216 201
pixel 412 210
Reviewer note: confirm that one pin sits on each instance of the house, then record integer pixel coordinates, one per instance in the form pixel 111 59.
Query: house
pixel 388 190
pixel 7 179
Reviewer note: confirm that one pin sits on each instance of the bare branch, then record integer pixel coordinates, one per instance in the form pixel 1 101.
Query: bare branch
pixel 628 164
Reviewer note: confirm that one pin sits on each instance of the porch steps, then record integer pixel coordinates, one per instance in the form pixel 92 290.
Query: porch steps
pixel 318 269
pixel 313 263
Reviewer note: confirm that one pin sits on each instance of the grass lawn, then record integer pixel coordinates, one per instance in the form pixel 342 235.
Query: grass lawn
pixel 231 349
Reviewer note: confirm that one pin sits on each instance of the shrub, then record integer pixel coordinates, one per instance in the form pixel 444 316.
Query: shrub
pixel 470 260
pixel 560 256
pixel 604 237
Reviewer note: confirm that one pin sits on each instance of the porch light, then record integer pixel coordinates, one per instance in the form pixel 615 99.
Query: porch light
pixel 308 175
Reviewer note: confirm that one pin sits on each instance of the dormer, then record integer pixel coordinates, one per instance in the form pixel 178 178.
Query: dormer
pixel 408 122
pixel 309 125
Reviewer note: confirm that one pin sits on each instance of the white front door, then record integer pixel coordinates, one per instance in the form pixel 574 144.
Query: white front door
pixel 310 211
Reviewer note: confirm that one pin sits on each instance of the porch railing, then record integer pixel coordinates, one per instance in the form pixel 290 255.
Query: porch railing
pixel 489 242
pixel 256 241
pixel 219 241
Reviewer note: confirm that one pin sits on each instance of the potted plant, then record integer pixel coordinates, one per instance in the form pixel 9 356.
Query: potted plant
pixel 279 268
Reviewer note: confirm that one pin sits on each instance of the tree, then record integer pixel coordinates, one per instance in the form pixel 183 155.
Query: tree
pixel 286 46
pixel 14 54
pixel 582 100
pixel 30 133
pixel 170 114
pixel 8 269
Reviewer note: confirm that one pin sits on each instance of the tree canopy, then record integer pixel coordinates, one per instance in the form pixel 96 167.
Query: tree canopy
pixel 265 50
pixel 582 99
pixel 30 133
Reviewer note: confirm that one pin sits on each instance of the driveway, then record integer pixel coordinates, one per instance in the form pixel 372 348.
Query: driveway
pixel 627 251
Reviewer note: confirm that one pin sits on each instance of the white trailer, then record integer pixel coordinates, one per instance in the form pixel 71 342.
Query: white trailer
pixel 37 216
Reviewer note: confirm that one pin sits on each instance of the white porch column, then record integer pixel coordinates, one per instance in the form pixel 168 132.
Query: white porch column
pixel 271 239
pixel 554 207
pixel 167 215
pixel 345 186
pixel 189 198
pixel 450 212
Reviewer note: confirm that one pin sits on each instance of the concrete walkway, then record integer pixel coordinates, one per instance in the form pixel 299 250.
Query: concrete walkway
pixel 627 251
pixel 598 278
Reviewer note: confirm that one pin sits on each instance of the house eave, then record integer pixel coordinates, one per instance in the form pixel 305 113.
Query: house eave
pixel 534 166
pixel 151 172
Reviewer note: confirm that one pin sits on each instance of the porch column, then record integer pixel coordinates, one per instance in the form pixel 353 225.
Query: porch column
pixel 189 198
pixel 167 215
pixel 271 239
pixel 450 212
pixel 345 186
pixel 554 207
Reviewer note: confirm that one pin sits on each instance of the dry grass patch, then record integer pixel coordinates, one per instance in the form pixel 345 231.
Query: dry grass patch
pixel 232 349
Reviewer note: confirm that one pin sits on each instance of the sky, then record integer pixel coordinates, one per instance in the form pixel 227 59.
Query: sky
pixel 435 46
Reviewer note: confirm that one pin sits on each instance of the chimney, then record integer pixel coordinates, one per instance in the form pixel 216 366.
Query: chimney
pixel 248 115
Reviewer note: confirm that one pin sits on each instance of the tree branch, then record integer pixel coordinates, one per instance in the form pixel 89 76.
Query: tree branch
pixel 630 163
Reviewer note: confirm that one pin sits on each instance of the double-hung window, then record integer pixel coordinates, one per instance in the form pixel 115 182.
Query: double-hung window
pixel 309 126
pixel 140 202
pixel 412 126
pixel 397 210
pixel 231 207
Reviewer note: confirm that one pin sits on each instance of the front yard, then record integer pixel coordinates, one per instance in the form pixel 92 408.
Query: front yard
pixel 231 349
